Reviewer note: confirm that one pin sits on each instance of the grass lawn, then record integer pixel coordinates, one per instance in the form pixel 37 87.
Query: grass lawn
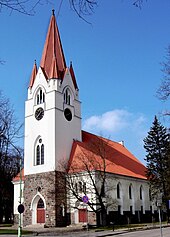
pixel 13 232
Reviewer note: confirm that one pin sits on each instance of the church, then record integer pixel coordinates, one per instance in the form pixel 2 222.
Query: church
pixel 101 171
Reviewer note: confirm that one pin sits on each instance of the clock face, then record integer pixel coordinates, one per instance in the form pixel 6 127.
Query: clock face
pixel 39 113
pixel 68 114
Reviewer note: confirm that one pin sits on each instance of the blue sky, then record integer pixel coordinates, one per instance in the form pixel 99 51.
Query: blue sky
pixel 117 62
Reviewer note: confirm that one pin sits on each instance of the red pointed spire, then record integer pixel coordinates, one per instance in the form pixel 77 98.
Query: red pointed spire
pixel 73 76
pixel 33 74
pixel 54 70
pixel 53 52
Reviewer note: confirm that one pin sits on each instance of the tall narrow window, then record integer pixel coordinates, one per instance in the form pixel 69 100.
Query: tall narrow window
pixel 103 190
pixel 42 154
pixel 40 97
pixel 76 188
pixel 67 96
pixel 80 187
pixel 39 152
pixel 130 191
pixel 38 155
pixel 118 190
pixel 84 187
pixel 141 193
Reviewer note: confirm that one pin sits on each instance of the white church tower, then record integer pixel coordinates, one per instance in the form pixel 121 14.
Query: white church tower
pixel 52 122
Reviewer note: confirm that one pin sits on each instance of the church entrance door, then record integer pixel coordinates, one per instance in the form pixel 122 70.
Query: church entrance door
pixel 40 211
pixel 82 215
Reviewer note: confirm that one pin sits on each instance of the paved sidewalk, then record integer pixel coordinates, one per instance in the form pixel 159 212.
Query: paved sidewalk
pixel 76 231
pixel 91 233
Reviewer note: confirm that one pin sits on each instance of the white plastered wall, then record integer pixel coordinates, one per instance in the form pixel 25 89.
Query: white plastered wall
pixel 17 195
pixel 124 201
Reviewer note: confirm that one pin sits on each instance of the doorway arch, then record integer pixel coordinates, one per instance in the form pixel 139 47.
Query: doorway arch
pixel 38 206
pixel 40 212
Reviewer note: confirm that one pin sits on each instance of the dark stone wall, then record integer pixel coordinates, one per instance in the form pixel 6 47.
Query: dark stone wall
pixel 51 185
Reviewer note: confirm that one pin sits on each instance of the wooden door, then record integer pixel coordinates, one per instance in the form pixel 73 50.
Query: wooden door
pixel 40 215
pixel 82 215
pixel 40 211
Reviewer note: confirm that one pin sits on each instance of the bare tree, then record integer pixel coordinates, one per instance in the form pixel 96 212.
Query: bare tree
pixel 81 7
pixel 138 3
pixel 87 176
pixel 163 92
pixel 87 7
pixel 22 6
pixel 9 156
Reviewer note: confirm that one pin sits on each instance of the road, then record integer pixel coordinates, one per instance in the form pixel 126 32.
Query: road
pixel 121 233
pixel 149 233
pixel 142 233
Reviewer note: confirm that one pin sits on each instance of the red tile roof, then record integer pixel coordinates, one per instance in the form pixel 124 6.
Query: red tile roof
pixel 17 178
pixel 95 153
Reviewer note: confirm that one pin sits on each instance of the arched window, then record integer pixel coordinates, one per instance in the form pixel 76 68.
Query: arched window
pixel 141 192
pixel 118 190
pixel 38 155
pixel 84 187
pixel 67 97
pixel 40 97
pixel 130 191
pixel 80 187
pixel 39 152
pixel 42 154
pixel 103 190
pixel 76 188
pixel 40 203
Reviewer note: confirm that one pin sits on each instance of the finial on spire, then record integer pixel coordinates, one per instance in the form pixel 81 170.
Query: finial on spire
pixel 53 12
pixel 35 62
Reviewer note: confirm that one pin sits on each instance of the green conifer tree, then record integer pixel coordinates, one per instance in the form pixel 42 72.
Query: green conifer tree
pixel 157 146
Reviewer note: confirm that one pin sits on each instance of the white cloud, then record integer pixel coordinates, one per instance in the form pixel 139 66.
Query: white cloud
pixel 111 121
pixel 120 125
